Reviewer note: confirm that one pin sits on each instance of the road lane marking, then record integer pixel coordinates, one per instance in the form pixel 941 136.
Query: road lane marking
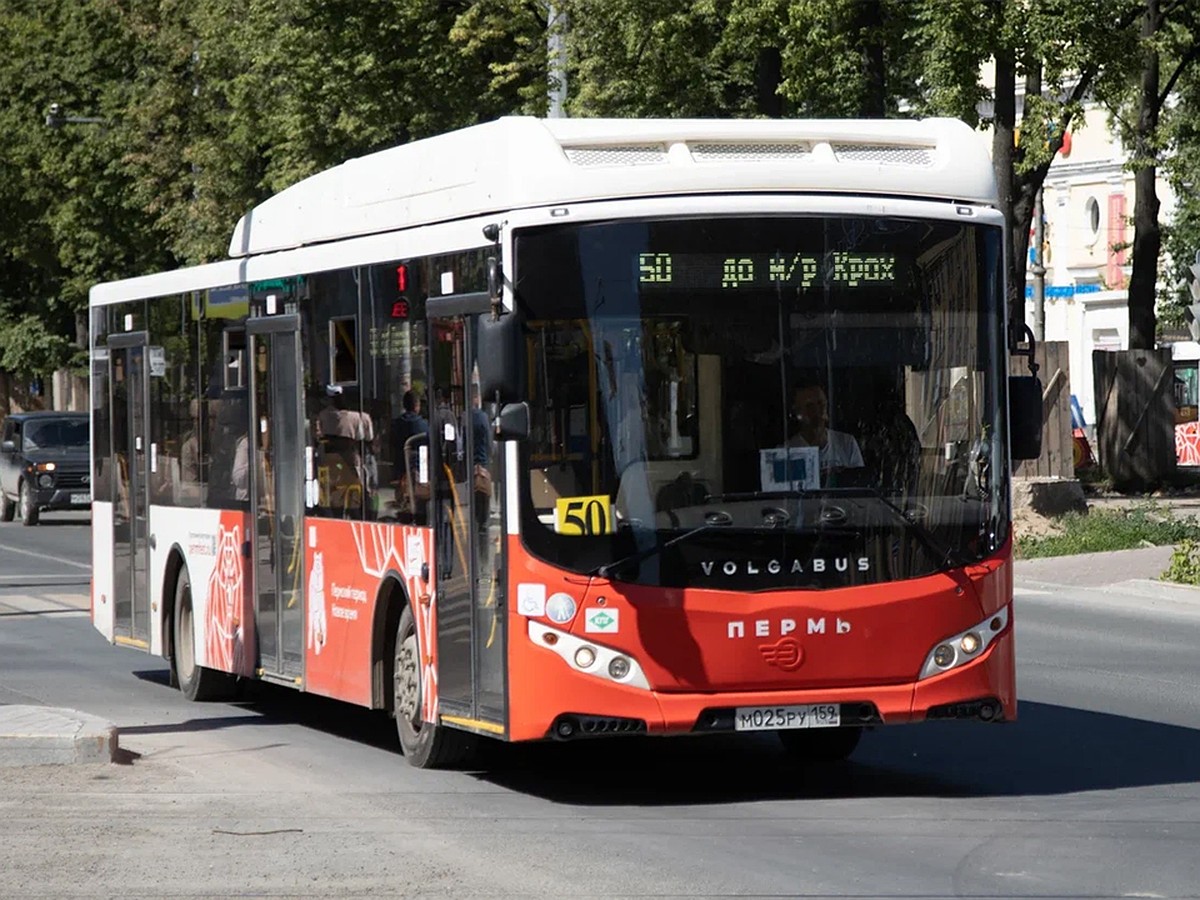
pixel 23 552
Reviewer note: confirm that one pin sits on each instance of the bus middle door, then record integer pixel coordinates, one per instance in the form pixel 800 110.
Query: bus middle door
pixel 277 495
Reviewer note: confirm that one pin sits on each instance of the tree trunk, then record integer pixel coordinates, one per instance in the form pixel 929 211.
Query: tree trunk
pixel 768 73
pixel 1147 237
pixel 869 25
pixel 1004 122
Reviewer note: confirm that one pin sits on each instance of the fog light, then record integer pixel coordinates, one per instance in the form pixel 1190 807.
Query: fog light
pixel 584 657
pixel 969 643
pixel 944 656
pixel 45 481
pixel 550 638
pixel 618 668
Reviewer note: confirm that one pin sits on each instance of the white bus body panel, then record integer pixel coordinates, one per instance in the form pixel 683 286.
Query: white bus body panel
pixel 521 162
pixel 103 602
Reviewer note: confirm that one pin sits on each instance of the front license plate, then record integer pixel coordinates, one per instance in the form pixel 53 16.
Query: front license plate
pixel 81 498
pixel 777 718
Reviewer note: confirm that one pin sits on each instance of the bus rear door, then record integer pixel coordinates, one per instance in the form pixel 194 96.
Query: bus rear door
pixel 129 397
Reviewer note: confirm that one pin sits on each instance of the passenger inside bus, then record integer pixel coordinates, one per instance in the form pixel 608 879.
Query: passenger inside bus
pixel 345 437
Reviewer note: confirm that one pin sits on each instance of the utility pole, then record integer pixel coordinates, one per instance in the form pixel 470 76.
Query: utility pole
pixel 1038 270
pixel 556 58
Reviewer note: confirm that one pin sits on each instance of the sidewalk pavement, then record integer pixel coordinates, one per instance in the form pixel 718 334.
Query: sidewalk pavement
pixel 46 735
pixel 1097 569
pixel 41 735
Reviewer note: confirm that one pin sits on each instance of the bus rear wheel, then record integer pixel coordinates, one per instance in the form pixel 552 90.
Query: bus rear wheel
pixel 821 745
pixel 425 745
pixel 196 682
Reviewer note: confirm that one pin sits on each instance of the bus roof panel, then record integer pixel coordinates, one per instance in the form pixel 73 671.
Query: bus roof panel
pixel 522 162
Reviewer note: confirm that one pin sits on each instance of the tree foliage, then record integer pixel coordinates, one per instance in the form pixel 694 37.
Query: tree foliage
pixel 209 106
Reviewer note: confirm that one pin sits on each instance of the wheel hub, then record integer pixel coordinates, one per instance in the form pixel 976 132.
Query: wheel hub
pixel 408 688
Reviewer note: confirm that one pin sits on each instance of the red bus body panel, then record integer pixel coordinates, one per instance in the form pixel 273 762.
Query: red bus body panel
pixel 703 649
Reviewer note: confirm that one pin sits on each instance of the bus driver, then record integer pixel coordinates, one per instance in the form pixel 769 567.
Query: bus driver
pixel 838 450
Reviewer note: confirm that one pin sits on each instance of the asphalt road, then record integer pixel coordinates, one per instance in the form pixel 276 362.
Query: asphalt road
pixel 1094 792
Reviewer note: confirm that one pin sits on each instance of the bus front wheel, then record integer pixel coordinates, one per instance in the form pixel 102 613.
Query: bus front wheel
pixel 821 745
pixel 196 682
pixel 425 745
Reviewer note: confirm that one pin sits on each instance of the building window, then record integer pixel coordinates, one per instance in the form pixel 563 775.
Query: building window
pixel 1092 208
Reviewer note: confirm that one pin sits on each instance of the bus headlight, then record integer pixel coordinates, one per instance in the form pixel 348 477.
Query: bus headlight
pixel 959 649
pixel 45 480
pixel 588 657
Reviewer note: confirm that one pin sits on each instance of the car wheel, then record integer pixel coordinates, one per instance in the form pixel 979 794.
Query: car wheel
pixel 821 745
pixel 425 745
pixel 7 508
pixel 29 508
pixel 196 682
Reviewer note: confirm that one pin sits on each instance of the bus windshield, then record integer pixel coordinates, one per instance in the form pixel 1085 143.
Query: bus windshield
pixel 766 402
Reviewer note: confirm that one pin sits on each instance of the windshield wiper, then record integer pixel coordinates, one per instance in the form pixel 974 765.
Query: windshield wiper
pixel 921 532
pixel 612 568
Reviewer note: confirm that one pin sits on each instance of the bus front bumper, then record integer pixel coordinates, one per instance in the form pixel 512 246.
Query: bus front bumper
pixel 983 690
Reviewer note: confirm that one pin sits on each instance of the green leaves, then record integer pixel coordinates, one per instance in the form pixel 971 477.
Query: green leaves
pixel 213 105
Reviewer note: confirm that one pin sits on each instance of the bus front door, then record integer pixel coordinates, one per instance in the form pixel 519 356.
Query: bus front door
pixel 277 495
pixel 468 538
pixel 128 404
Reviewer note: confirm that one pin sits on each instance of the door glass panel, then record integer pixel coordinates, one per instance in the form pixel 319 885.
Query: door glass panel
pixel 487 479
pixel 139 473
pixel 452 539
pixel 287 477
pixel 122 443
pixel 263 505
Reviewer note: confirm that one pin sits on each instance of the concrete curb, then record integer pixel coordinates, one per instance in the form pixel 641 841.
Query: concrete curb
pixel 46 735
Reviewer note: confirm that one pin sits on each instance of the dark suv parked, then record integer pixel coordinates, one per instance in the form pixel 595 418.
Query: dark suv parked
pixel 44 464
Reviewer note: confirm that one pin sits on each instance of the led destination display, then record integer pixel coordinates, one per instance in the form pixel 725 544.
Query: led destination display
pixel 709 271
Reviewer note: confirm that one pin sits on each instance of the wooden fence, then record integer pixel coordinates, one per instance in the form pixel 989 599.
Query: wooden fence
pixel 1135 416
pixel 1058 443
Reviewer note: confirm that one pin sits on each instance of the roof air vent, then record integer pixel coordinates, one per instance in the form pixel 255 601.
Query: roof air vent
pixel 618 155
pixel 884 154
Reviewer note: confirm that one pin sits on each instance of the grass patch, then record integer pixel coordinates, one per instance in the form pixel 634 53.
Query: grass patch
pixel 1185 563
pixel 1115 529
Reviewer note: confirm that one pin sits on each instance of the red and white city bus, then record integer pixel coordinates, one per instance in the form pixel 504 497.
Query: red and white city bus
pixel 566 428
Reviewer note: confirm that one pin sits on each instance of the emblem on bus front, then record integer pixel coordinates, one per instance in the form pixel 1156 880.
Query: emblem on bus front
pixel 785 654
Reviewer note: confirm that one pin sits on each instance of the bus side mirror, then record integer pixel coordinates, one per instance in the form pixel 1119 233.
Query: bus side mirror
pixel 513 422
pixel 499 355
pixel 1025 416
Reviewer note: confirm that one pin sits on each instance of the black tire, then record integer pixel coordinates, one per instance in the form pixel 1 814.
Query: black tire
pixel 7 508
pixel 27 505
pixel 196 682
pixel 425 745
pixel 821 745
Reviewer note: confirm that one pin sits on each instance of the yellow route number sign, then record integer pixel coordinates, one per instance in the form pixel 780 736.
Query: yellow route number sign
pixel 583 515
